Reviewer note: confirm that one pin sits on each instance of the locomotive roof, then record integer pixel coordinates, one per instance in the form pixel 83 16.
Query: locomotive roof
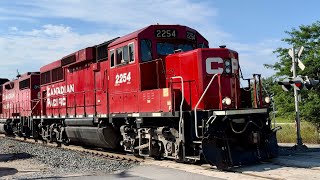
pixel 113 42
pixel 22 77
pixel 136 33
pixel 128 36
pixel 50 66
pixel 27 75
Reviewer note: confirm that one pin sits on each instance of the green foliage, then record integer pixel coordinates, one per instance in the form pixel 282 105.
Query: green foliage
pixel 283 101
pixel 309 37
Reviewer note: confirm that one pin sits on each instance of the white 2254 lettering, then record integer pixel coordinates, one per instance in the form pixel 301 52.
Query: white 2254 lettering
pixel 123 78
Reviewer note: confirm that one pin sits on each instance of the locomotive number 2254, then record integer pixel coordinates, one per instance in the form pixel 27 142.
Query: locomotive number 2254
pixel 165 33
pixel 123 77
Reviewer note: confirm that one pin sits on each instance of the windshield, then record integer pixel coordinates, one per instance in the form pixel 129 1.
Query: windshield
pixel 165 48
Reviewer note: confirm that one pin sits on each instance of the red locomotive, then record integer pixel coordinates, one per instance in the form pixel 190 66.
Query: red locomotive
pixel 19 102
pixel 159 91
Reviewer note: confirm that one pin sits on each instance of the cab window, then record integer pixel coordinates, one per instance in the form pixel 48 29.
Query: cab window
pixel 146 50
pixel 185 47
pixel 112 58
pixel 131 52
pixel 25 84
pixel 165 48
pixel 123 55
pixel 119 55
pixel 202 45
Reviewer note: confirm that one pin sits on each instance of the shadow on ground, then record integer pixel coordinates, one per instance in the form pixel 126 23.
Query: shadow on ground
pixel 288 157
pixel 14 156
pixel 7 171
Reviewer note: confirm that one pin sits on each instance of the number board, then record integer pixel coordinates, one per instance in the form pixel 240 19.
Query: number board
pixel 191 36
pixel 165 33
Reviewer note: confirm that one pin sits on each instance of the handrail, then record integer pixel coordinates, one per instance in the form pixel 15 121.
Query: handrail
pixel 195 108
pixel 181 104
pixel 58 108
pixel 35 105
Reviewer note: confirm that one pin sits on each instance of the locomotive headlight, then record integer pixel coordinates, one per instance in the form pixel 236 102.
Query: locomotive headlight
pixel 267 100
pixel 227 66
pixel 228 70
pixel 226 101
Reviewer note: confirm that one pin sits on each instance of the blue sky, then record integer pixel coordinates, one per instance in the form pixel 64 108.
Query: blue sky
pixel 36 32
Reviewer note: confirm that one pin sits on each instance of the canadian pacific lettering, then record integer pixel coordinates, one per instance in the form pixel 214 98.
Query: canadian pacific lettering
pixel 54 97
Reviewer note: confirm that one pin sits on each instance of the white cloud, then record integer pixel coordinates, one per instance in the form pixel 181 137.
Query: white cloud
pixel 124 13
pixel 27 49
pixel 253 56
pixel 13 29
pixel 50 31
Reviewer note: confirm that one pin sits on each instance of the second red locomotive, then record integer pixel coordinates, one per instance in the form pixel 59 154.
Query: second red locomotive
pixel 159 91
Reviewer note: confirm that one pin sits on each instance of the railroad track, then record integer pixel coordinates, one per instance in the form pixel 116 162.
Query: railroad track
pixel 273 170
pixel 96 152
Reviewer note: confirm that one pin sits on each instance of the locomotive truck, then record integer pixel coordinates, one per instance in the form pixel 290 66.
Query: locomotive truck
pixel 159 92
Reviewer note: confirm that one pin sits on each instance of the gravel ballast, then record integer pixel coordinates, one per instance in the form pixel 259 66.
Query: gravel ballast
pixel 57 162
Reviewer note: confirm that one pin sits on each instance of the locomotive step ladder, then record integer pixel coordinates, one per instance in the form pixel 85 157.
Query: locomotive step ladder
pixel 201 127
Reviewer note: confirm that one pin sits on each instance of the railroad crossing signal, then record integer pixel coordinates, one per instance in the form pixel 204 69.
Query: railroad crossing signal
pixel 300 64
pixel 298 83
pixel 285 84
pixel 310 83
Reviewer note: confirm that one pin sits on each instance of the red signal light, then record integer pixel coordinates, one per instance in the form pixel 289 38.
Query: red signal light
pixel 298 84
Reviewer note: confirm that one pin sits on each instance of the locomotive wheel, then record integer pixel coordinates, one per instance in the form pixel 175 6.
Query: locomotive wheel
pixel 59 144
pixel 214 154
pixel 66 142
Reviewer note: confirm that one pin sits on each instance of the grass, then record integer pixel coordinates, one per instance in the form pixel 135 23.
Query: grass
pixel 283 120
pixel 288 133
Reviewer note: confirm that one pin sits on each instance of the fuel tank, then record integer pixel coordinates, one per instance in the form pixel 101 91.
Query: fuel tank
pixel 105 137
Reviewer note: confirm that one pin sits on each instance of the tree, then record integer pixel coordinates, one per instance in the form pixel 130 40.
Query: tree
pixel 309 37
pixel 284 105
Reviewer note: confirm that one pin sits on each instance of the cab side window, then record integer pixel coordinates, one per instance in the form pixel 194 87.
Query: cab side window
pixel 122 55
pixel 146 50
pixel 119 56
pixel 125 54
pixel 131 52
pixel 112 58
